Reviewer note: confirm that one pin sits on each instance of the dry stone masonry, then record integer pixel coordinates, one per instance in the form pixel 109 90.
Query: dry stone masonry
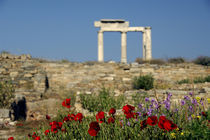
pixel 35 78
pixel 119 25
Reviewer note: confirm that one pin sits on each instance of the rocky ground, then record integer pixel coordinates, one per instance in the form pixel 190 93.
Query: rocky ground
pixel 44 84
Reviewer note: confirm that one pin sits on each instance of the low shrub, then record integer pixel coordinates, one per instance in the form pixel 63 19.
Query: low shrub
pixel 202 60
pixel 157 61
pixel 199 80
pixel 143 82
pixel 184 81
pixel 153 61
pixel 207 78
pixel 6 94
pixel 176 60
pixel 195 80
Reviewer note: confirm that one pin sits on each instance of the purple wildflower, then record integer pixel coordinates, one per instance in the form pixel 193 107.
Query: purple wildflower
pixel 139 114
pixel 191 108
pixel 146 99
pixel 169 96
pixel 176 110
pixel 167 105
pixel 190 93
pixel 194 101
pixel 183 102
pixel 186 97
pixel 157 105
pixel 153 100
pixel 201 101
pixel 129 124
pixel 140 106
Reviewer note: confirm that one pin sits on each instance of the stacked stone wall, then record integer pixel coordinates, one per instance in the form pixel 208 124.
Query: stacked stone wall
pixel 33 75
pixel 34 78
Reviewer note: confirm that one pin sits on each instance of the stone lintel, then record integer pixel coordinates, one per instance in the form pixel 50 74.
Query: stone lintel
pixel 126 29
pixel 111 23
pixel 112 20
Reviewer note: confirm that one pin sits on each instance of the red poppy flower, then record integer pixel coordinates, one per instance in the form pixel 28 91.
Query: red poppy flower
pixel 19 124
pixel 63 130
pixel 100 116
pixel 48 117
pixel 143 124
pixel 60 125
pixel 92 132
pixel 53 123
pixel 152 120
pixel 46 132
pixel 54 128
pixel 128 108
pixel 112 111
pixel 65 119
pixel 78 117
pixel 169 125
pixel 71 117
pixel 94 128
pixel 66 103
pixel 34 135
pixel 145 114
pixel 129 115
pixel 111 120
pixel 162 119
pixel 10 138
pixel 37 138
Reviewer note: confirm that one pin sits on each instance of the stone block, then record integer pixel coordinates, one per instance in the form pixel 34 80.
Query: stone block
pixel 126 79
pixel 28 75
pixel 109 78
pixel 4 113
pixel 13 74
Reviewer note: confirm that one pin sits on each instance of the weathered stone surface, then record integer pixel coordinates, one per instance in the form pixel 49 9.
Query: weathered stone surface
pixel 34 78
pixel 4 113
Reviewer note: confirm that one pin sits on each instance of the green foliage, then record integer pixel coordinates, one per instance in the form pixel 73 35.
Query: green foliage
pixel 196 80
pixel 199 80
pixel 139 98
pixel 190 124
pixel 176 60
pixel 157 61
pixel 184 81
pixel 153 61
pixel 64 61
pixel 143 82
pixel 4 52
pixel 6 94
pixel 90 63
pixel 104 101
pixel 202 60
pixel 207 78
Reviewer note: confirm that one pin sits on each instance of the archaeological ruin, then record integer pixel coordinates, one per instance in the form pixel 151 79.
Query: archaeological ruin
pixel 119 25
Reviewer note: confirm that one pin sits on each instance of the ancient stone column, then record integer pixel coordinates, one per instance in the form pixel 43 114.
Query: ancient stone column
pixel 123 47
pixel 100 47
pixel 148 55
pixel 144 45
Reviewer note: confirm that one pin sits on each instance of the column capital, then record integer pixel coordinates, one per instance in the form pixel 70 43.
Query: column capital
pixel 124 32
pixel 100 31
pixel 148 27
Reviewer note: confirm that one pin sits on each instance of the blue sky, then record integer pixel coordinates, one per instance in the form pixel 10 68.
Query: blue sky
pixel 64 29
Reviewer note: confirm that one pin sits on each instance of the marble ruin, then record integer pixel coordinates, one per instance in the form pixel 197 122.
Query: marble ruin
pixel 119 25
